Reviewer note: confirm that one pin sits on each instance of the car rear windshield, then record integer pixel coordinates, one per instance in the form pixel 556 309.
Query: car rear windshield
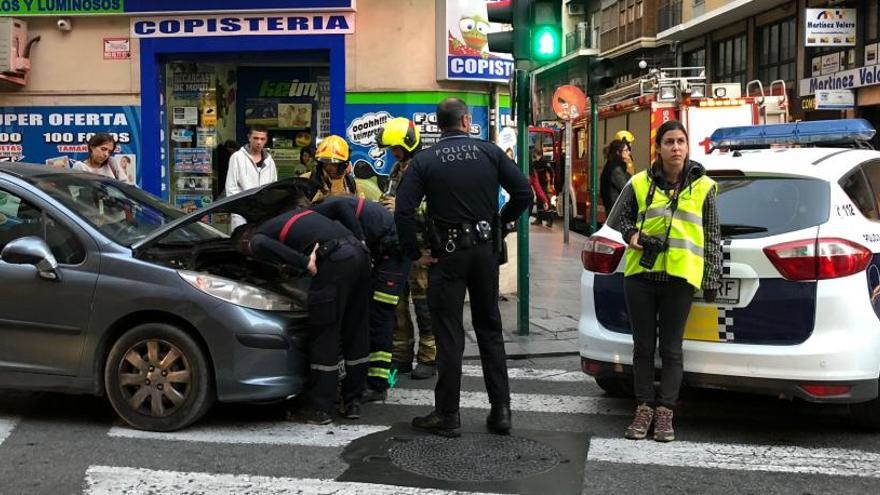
pixel 761 206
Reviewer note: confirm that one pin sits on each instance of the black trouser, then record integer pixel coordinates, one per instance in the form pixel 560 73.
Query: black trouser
pixel 338 302
pixel 657 305
pixel 474 270
pixel 389 276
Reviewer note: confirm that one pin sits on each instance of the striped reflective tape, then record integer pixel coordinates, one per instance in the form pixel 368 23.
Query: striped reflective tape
pixel 385 297
pixel 383 373
pixel 380 356
pixel 356 362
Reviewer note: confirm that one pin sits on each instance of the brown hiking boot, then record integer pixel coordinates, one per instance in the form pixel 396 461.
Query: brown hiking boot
pixel 663 431
pixel 638 429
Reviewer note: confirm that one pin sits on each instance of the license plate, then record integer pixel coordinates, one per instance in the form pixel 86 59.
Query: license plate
pixel 728 292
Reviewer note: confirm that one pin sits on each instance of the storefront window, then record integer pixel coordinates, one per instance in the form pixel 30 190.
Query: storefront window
pixel 872 20
pixel 777 49
pixel 730 60
pixel 210 106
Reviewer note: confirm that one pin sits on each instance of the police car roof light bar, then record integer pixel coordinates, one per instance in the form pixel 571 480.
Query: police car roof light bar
pixel 844 132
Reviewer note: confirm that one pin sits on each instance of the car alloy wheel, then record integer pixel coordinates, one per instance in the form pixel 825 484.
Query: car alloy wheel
pixel 158 378
pixel 155 378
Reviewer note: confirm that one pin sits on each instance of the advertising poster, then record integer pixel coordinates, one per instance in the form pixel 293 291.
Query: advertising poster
pixel 189 85
pixel 182 135
pixel 53 133
pixel 189 184
pixel 127 164
pixel 196 160
pixel 463 44
pixel 259 111
pixel 192 202
pixel 185 115
pixel 294 115
pixel 831 27
pixel 363 120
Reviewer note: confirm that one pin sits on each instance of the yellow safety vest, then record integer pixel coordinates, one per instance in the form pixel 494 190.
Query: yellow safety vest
pixel 684 257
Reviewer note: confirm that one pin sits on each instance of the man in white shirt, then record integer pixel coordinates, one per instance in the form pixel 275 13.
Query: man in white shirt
pixel 250 167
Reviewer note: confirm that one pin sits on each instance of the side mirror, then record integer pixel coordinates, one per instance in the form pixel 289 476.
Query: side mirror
pixel 32 250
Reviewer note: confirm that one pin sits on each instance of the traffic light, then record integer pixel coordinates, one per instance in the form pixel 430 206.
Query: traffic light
pixel 517 13
pixel 601 76
pixel 546 31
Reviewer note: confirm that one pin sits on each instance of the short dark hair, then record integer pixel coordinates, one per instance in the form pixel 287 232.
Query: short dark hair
pixel 449 113
pixel 258 128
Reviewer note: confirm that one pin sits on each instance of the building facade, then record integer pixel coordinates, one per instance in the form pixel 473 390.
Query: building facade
pixel 174 81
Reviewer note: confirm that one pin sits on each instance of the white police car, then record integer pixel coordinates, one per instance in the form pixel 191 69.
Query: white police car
pixel 798 313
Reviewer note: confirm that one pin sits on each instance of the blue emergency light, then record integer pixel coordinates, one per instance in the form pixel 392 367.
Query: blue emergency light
pixel 844 132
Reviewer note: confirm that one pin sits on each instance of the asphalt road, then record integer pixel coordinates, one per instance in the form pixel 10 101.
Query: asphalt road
pixel 727 443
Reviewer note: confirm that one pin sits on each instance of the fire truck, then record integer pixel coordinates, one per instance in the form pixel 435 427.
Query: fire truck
pixel 679 93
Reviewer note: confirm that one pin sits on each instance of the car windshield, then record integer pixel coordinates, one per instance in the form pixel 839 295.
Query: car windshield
pixel 123 213
pixel 761 206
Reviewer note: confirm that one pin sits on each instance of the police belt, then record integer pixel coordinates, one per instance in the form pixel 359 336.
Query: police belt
pixel 328 247
pixel 451 237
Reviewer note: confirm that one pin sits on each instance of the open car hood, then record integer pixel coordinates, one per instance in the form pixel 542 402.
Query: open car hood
pixel 255 205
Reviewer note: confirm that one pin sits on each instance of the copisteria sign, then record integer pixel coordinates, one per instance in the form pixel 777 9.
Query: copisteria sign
pixel 243 24
pixel 848 79
pixel 22 8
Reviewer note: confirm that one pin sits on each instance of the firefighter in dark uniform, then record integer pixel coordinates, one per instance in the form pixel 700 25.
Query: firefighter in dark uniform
pixel 337 302
pixel 374 224
pixel 460 177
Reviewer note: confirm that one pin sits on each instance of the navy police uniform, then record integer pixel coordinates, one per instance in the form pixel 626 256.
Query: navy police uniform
pixel 374 224
pixel 337 300
pixel 460 176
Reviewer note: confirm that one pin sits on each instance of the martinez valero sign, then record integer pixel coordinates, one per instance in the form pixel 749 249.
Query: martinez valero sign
pixel 848 79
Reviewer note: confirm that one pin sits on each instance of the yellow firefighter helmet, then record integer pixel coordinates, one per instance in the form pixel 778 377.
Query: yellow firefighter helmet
pixel 401 132
pixel 332 149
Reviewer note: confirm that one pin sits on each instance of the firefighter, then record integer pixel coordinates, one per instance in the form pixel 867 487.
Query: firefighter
pixel 374 224
pixel 460 177
pixel 337 302
pixel 333 173
pixel 402 136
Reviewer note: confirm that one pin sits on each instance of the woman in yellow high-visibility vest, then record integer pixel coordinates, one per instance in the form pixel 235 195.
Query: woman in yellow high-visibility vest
pixel 670 223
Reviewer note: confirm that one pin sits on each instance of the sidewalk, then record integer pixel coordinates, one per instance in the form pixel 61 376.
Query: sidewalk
pixel 554 305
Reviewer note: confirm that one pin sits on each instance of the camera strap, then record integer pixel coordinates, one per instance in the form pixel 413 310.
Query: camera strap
pixel 672 205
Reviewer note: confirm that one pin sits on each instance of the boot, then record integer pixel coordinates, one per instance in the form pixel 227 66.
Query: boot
pixel 423 371
pixel 309 415
pixel 445 425
pixel 401 366
pixel 663 431
pixel 352 410
pixel 641 423
pixel 498 421
pixel 374 395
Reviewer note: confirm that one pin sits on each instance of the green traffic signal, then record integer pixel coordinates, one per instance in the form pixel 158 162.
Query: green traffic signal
pixel 546 43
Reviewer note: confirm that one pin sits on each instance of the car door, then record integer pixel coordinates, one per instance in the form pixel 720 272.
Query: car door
pixel 43 323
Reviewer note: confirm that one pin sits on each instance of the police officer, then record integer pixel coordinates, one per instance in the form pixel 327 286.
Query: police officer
pixel 337 302
pixel 460 178
pixel 374 224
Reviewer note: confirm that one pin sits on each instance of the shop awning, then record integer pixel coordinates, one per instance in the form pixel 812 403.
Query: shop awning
pixel 718 18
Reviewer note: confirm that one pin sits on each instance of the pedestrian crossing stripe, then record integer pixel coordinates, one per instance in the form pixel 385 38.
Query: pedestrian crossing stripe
pixel 7 424
pixel 738 457
pixel 544 403
pixel 545 375
pixel 110 480
pixel 266 433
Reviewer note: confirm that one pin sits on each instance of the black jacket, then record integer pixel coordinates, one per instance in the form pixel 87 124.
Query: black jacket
pixel 277 240
pixel 375 225
pixel 459 176
pixel 611 183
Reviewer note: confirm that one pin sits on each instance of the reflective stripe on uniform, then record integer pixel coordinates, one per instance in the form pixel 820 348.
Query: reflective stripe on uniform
pixel 355 362
pixel 687 216
pixel 380 356
pixel 379 373
pixel 686 244
pixel 321 367
pixel 386 298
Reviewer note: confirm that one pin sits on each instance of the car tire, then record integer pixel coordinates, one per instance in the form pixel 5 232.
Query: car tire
pixel 616 386
pixel 157 378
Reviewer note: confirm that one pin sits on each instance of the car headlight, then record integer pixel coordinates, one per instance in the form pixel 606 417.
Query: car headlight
pixel 236 292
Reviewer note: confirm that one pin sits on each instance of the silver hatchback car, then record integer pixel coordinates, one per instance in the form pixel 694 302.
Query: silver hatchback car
pixel 104 289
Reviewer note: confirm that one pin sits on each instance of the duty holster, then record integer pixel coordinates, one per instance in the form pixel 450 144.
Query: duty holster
pixel 447 238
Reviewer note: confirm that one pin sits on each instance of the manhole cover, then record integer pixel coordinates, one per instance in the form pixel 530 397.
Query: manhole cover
pixel 474 457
